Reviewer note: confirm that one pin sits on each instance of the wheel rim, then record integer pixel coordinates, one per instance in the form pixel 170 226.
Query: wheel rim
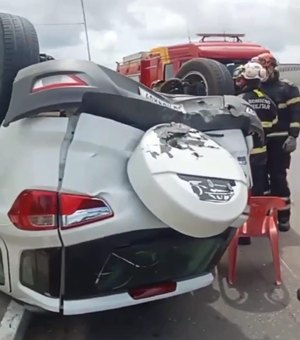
pixel 195 77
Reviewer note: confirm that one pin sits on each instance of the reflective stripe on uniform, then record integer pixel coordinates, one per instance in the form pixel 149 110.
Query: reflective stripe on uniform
pixel 278 134
pixel 259 93
pixel 256 151
pixel 266 125
pixel 295 125
pixel 289 102
pixel 293 101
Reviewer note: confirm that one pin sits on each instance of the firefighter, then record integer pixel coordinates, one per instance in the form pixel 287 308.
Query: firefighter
pixel 247 80
pixel 283 141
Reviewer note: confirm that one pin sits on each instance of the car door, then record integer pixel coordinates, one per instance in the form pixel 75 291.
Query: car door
pixel 94 195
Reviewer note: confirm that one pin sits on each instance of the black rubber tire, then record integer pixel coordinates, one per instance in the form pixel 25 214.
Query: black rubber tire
pixel 172 84
pixel 19 48
pixel 217 76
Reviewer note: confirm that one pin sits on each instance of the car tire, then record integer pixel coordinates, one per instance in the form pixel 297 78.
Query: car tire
pixel 211 73
pixel 19 48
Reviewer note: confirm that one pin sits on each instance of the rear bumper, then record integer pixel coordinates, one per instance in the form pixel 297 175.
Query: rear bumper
pixel 124 299
pixel 99 275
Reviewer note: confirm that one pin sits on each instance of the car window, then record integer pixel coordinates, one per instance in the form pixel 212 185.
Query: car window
pixel 169 71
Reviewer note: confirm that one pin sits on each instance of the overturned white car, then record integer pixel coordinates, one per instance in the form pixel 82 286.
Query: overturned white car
pixel 112 194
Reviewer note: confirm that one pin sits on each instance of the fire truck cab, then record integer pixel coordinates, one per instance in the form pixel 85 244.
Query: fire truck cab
pixel 164 63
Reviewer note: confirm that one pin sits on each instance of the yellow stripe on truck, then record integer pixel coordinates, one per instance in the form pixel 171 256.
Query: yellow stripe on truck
pixel 164 54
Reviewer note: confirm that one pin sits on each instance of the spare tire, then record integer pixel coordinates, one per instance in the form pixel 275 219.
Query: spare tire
pixel 187 180
pixel 19 48
pixel 208 73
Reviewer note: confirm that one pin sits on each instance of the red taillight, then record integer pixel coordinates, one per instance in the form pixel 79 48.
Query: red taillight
pixel 77 210
pixel 57 81
pixel 42 210
pixel 35 210
pixel 146 292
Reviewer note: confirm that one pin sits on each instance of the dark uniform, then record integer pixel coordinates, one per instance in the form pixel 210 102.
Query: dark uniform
pixel 287 98
pixel 266 110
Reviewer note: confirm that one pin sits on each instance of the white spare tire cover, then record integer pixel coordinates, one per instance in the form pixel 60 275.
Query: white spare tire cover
pixel 187 180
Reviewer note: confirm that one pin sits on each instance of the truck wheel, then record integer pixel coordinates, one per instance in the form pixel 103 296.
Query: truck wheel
pixel 19 48
pixel 207 74
pixel 173 85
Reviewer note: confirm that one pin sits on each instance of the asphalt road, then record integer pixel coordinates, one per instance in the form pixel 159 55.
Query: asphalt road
pixel 254 310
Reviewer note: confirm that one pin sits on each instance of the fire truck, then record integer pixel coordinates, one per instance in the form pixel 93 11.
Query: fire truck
pixel 196 62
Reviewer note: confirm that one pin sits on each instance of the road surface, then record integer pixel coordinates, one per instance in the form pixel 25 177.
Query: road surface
pixel 255 310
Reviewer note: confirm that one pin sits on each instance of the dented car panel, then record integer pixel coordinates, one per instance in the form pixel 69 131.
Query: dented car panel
pixel 80 235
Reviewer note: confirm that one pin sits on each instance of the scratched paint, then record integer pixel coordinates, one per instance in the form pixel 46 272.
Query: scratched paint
pixel 177 136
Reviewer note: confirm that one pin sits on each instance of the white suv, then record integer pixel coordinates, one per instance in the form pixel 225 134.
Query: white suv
pixel 110 194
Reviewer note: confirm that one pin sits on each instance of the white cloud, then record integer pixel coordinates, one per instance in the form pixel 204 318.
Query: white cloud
pixel 122 27
pixel 290 54
pixel 157 21
pixel 105 40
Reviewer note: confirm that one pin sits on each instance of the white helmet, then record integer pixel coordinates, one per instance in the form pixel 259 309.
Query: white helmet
pixel 251 70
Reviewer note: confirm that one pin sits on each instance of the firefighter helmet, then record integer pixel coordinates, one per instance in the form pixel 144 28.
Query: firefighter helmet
pixel 266 60
pixel 249 71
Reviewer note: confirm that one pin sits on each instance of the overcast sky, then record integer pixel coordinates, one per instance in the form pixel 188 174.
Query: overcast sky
pixel 120 27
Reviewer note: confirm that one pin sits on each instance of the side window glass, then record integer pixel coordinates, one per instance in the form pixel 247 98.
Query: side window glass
pixel 169 71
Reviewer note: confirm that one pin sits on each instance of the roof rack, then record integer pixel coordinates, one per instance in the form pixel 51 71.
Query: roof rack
pixel 235 36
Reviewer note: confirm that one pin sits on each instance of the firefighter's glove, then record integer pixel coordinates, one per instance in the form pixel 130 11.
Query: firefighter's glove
pixel 290 144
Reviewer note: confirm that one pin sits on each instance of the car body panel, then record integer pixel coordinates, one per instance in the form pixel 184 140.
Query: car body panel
pixel 100 158
pixel 124 299
pixel 31 158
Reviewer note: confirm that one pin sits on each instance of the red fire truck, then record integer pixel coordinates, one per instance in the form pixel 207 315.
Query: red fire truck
pixel 196 62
